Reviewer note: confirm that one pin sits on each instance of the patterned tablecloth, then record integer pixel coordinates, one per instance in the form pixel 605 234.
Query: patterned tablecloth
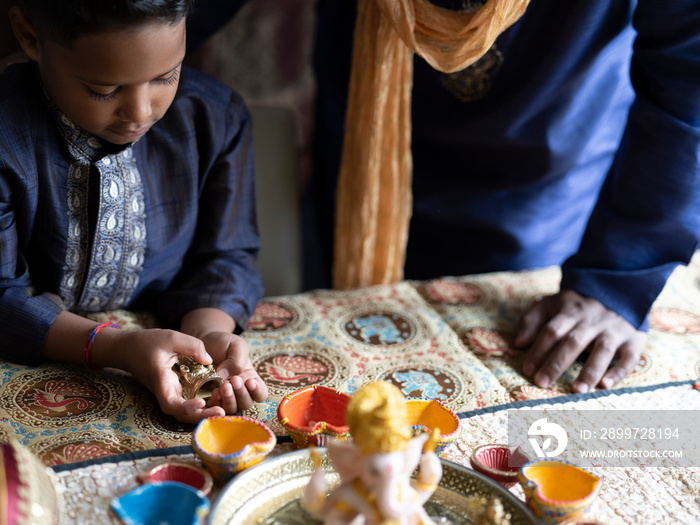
pixel 447 339
pixel 632 495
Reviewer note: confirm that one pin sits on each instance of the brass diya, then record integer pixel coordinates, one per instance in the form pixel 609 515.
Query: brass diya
pixel 197 380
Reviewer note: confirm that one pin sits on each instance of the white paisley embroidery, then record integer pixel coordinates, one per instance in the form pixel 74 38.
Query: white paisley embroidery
pixel 107 277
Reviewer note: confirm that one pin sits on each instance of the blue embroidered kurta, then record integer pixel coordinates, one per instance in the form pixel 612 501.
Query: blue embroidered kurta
pixel 574 142
pixel 165 224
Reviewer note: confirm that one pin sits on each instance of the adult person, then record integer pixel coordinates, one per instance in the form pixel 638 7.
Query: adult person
pixel 574 141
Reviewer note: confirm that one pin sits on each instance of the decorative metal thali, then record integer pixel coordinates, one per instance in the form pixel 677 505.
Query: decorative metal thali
pixel 269 494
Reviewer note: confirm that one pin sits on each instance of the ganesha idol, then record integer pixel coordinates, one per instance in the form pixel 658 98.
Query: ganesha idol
pixel 376 465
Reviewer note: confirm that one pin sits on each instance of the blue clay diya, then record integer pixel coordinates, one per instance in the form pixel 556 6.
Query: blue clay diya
pixel 163 503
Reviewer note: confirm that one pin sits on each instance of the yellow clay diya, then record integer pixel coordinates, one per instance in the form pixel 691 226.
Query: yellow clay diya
pixel 426 415
pixel 229 444
pixel 558 490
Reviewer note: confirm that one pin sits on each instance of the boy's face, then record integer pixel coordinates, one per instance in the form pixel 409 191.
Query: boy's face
pixel 117 84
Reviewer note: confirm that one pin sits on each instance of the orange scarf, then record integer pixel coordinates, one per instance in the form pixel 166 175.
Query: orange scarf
pixel 374 198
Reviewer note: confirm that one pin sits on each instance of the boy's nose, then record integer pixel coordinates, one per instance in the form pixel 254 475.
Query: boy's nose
pixel 135 106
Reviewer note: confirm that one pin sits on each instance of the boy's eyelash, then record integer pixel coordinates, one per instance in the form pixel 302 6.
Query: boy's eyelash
pixel 109 96
pixel 170 80
pixel 101 97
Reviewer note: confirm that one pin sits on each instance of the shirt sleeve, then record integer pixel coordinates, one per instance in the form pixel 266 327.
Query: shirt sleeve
pixel 647 218
pixel 26 316
pixel 219 269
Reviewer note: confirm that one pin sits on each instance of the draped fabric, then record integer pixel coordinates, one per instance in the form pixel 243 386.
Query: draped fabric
pixel 374 187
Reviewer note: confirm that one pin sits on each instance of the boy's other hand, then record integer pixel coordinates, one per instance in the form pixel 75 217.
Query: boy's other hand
pixel 242 386
pixel 561 327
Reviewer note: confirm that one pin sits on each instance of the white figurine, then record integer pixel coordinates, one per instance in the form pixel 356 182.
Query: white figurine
pixel 376 465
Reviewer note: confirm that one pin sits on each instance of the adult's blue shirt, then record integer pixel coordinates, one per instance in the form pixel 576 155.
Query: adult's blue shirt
pixel 582 152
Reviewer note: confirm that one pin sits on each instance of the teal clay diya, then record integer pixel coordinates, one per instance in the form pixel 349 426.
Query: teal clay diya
pixel 168 502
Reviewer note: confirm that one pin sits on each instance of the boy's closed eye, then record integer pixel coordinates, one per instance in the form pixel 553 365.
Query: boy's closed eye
pixel 102 97
pixel 169 78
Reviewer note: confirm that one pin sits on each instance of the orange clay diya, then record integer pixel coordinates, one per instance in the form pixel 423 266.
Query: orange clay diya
pixel 314 414
pixel 228 444
pixel 425 415
pixel 558 490
pixel 376 466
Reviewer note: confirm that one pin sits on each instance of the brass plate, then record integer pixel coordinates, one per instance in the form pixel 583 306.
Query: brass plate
pixel 269 493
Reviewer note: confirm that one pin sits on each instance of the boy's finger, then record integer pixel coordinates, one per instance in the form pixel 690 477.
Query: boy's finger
pixel 257 389
pixel 215 398
pixel 228 398
pixel 190 411
pixel 196 416
pixel 237 359
pixel 191 347
pixel 244 401
pixel 238 354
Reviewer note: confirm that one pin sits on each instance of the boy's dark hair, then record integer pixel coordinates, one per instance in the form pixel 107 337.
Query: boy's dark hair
pixel 63 21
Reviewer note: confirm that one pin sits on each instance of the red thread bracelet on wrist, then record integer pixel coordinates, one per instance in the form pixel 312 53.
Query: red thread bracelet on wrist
pixel 91 339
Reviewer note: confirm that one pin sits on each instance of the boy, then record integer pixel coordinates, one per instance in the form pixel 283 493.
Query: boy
pixel 126 181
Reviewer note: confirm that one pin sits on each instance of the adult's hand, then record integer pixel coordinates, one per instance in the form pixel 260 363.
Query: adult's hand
pixel 560 327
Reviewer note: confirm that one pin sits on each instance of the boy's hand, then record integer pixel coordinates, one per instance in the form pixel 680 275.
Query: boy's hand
pixel 560 327
pixel 150 357
pixel 242 385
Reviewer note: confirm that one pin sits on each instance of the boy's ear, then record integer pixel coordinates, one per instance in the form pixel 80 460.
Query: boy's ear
pixel 24 32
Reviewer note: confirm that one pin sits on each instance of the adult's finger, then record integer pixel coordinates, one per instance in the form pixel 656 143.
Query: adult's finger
pixel 530 323
pixel 603 351
pixel 548 338
pixel 628 357
pixel 570 346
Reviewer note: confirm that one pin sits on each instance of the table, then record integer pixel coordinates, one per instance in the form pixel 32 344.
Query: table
pixel 447 339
